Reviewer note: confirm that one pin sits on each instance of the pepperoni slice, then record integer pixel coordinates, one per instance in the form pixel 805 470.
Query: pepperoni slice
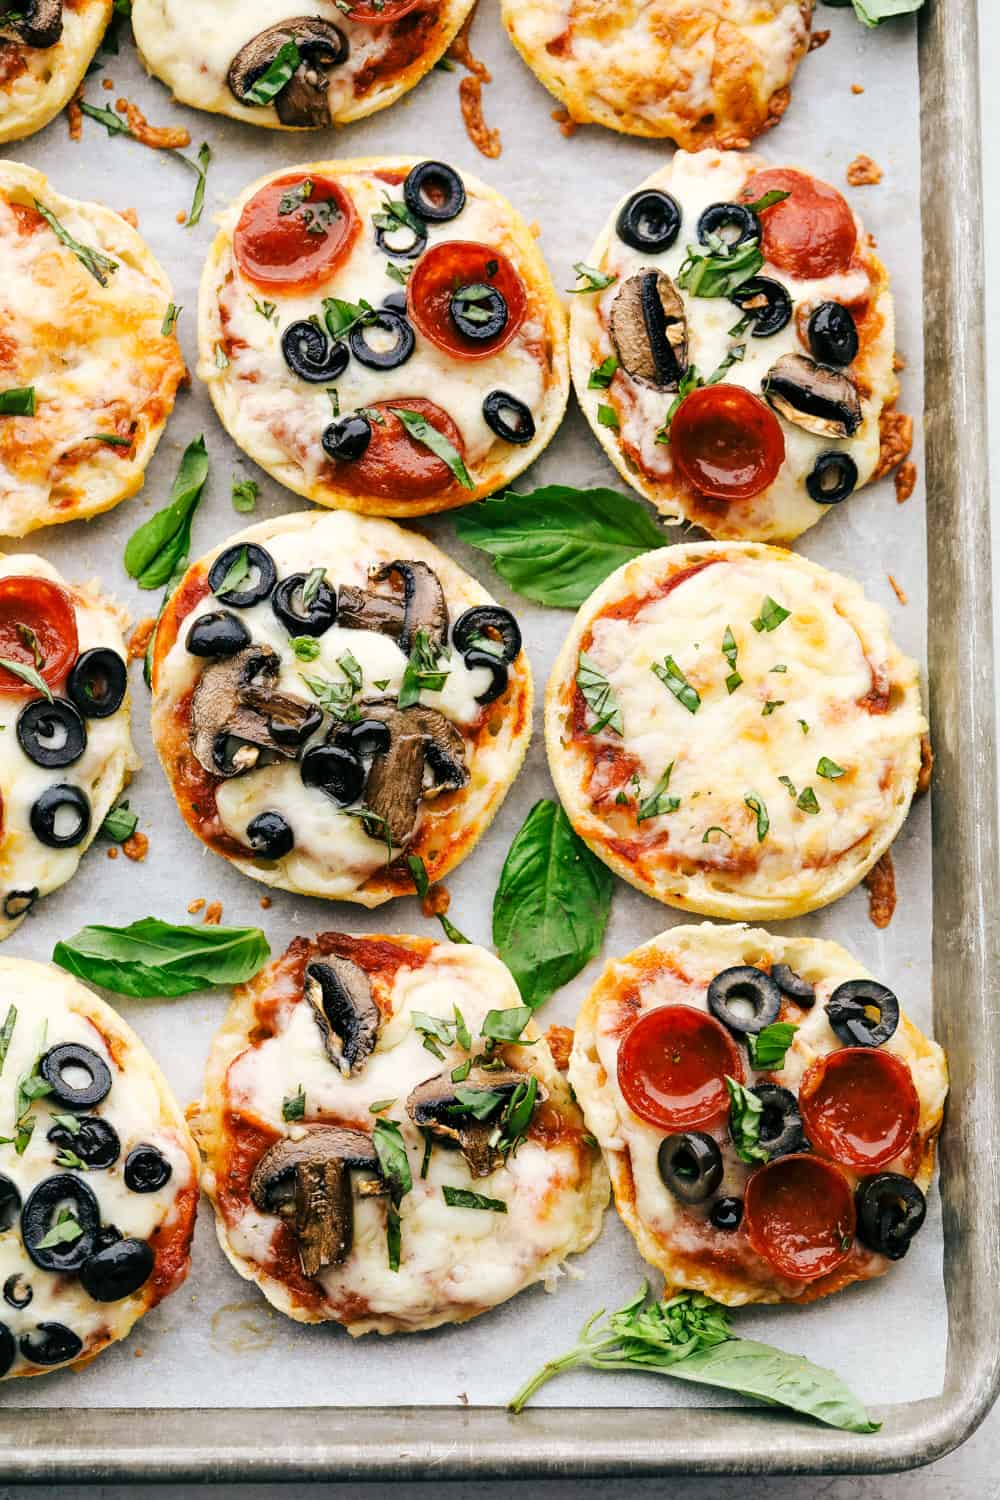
pixel 34 605
pixel 292 236
pixel 672 1067
pixel 445 270
pixel 373 13
pixel 395 467
pixel 810 233
pixel 799 1215
pixel 726 443
pixel 859 1106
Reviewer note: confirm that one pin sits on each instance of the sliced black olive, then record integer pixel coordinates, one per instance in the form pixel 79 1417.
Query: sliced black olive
pixel 347 439
pixel 650 220
pixel 478 311
pixel 434 191
pixel 497 668
pixel 62 1067
pixel 401 241
pixel 315 618
pixel 8 1348
pixel 117 1271
pixel 107 1235
pixel 146 1169
pixel 19 903
pixel 336 771
pixel 45 812
pixel 98 683
pixel 793 985
pixel 727 1213
pixel 780 1120
pixel 270 836
pixel 10 1202
pixel 834 476
pixel 288 732
pixel 863 1013
pixel 891 1208
pixel 311 355
pixel 371 355
pixel 509 418
pixel 17 1292
pixel 219 634
pixel 50 1344
pixel 833 334
pixel 732 223
pixel 395 302
pixel 744 998
pixel 491 622
pixel 690 1165
pixel 53 734
pixel 766 302
pixel 365 737
pixel 262 577
pixel 95 1142
pixel 41 1214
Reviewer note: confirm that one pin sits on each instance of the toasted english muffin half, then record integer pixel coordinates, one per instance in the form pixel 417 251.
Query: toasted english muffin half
pixel 45 51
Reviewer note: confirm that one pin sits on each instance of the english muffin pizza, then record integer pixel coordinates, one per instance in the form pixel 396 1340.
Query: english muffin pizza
pixel 45 49
pixel 333 696
pixel 767 1111
pixel 293 65
pixel 387 1141
pixel 89 364
pixel 732 729
pixel 698 72
pixel 732 345
pixel 65 747
pixel 382 335
pixel 98 1175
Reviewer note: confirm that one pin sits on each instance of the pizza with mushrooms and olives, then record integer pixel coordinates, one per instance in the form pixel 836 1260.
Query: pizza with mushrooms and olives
pixel 767 1112
pixel 66 751
pixel 293 65
pixel 380 1148
pixel 732 345
pixel 98 1175
pixel 333 696
pixel 382 335
pixel 732 729
pixel 45 49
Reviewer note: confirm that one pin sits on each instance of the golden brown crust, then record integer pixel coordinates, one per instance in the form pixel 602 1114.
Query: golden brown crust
pixel 35 82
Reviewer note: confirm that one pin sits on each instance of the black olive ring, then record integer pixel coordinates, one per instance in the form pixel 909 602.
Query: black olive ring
pixel 218 634
pixel 849 1011
pixel 53 1065
pixel 793 985
pixel 690 1165
pixel 478 311
pixel 487 620
pixel 38 1215
pixel 780 1120
pixel 118 1270
pixel 891 1208
pixel 364 737
pixel 17 904
pixel 315 618
pixel 46 809
pixel 270 836
pixel 98 683
pixel 95 1142
pixel 249 592
pixel 509 418
pixel 53 734
pixel 17 1290
pixel 719 216
pixel 334 770
pixel 434 191
pixel 833 334
pixel 312 356
pixel 746 987
pixel 773 315
pixel 495 665
pixel 650 220
pixel 834 476
pixel 727 1213
pixel 50 1344
pixel 414 247
pixel 383 359
pixel 146 1170
pixel 347 439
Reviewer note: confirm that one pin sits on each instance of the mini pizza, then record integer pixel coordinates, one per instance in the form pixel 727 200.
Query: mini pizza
pixel 294 66
pixel 98 1175
pixel 66 751
pixel 698 72
pixel 768 1113
pixel 82 406
pixel 45 49
pixel 732 345
pixel 335 293
pixel 334 697
pixel 732 729
pixel 387 1141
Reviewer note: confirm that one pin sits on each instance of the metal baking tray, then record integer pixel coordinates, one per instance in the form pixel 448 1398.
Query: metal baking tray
pixel 56 1445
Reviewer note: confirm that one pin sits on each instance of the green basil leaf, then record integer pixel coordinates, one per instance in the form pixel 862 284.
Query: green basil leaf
pixel 745 1112
pixel 506 1025
pixel 603 374
pixel 772 614
pixel 720 272
pixel 462 1198
pixel 153 958
pixel 872 13
pixel 390 1148
pixel 113 123
pixel 657 802
pixel 607 417
pixel 829 768
pixel 170 319
pixel 599 696
pixel 304 647
pixel 673 678
pixel 341 316
pixel 120 824
pixel 199 166
pixel 264 89
pixel 480 1103
pixel 161 544
pixel 591 279
pixel 237 572
pixel 100 266
pixel 10 1021
pixel 756 805
pixel 293 1106
pixel 422 672
pixel 27 674
pixel 767 1048
pixel 767 200
pixel 807 801
pixel 19 401
pixel 65 1232
pixel 421 431
pixel 419 872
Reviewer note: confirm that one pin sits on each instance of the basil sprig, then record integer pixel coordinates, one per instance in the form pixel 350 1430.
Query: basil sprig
pixel 151 958
pixel 160 547
pixel 19 401
pixel 421 431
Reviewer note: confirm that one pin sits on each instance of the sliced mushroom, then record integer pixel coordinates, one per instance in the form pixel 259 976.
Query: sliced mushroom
pixel 305 99
pixel 341 997
pixel 237 715
pixel 39 24
pixel 308 1182
pixel 435 1106
pixel 424 606
pixel 815 397
pixel 359 609
pixel 421 740
pixel 649 330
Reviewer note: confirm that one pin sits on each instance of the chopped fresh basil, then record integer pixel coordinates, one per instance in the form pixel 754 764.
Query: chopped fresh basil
pixel 236 574
pixel 267 310
pixel 778 667
pixel 517 1116
pixel 395 215
pixel 199 165
pixel 803 726
pixel 829 768
pixel 689 381
pixel 506 1025
pixel 721 271
pixel 10 1021
pixel 120 824
pixel 69 1123
pixel 19 401
pixel 390 1148
pixel 423 671
pixel 244 494
pixel 715 829
pixel 112 122
pixel 872 13
pixel 772 614
pixel 304 647
pixel 770 706
pixel 745 1112
pixel 295 197
pixel 734 356
pixel 463 1198
pixel 419 872
pixel 279 75
pixel 399 273
pixel 221 358
pixel 421 431
pixel 65 1231
pixel 70 1160
pixel 341 316
pixel 27 674
pixel 591 279
pixel 599 696
pixel 311 586
pixel 673 678
pixel 657 802
pixel 435 1032
pixel 607 417
pixel 293 1107
pixel 379 1105
pixel 479 1103
pixel 100 266
pixel 767 1048
pixel 756 805
pixel 767 200
pixel 160 546
pixel 337 698
pixel 153 958
pixel 109 439
pixel 730 651
pixel 789 785
pixel 807 801
pixel 603 374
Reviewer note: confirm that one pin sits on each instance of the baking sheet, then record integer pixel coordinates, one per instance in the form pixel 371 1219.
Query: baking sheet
pixel 217 1342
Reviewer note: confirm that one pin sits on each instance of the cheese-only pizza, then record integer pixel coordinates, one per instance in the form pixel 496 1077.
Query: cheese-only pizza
pixel 382 335
pixel 98 1175
pixel 332 696
pixel 732 729
pixel 292 65
pixel 45 49
pixel 66 748
pixel 733 345
pixel 698 72
pixel 89 364
pixel 387 1141
pixel 768 1113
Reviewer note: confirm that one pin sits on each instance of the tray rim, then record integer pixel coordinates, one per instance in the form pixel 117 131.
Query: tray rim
pixel 240 1444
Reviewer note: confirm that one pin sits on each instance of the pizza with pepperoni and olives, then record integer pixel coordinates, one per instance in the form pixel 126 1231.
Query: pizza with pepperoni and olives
pixel 45 49
pixel 732 345
pixel 382 335
pixel 98 1175
pixel 768 1114
pixel 732 729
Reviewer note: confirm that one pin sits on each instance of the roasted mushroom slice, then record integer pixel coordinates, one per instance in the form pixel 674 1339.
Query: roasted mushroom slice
pixel 341 998
pixel 304 100
pixel 308 1182
pixel 424 606
pixel 359 609
pixel 237 715
pixel 815 397
pixel 649 330
pixel 39 23
pixel 448 1111
pixel 420 740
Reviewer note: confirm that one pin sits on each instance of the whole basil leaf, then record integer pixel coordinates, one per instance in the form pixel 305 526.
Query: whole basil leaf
pixel 161 544
pixel 556 544
pixel 551 906
pixel 874 12
pixel 153 958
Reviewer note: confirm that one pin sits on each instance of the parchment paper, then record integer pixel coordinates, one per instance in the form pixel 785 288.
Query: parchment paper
pixel 217 1342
